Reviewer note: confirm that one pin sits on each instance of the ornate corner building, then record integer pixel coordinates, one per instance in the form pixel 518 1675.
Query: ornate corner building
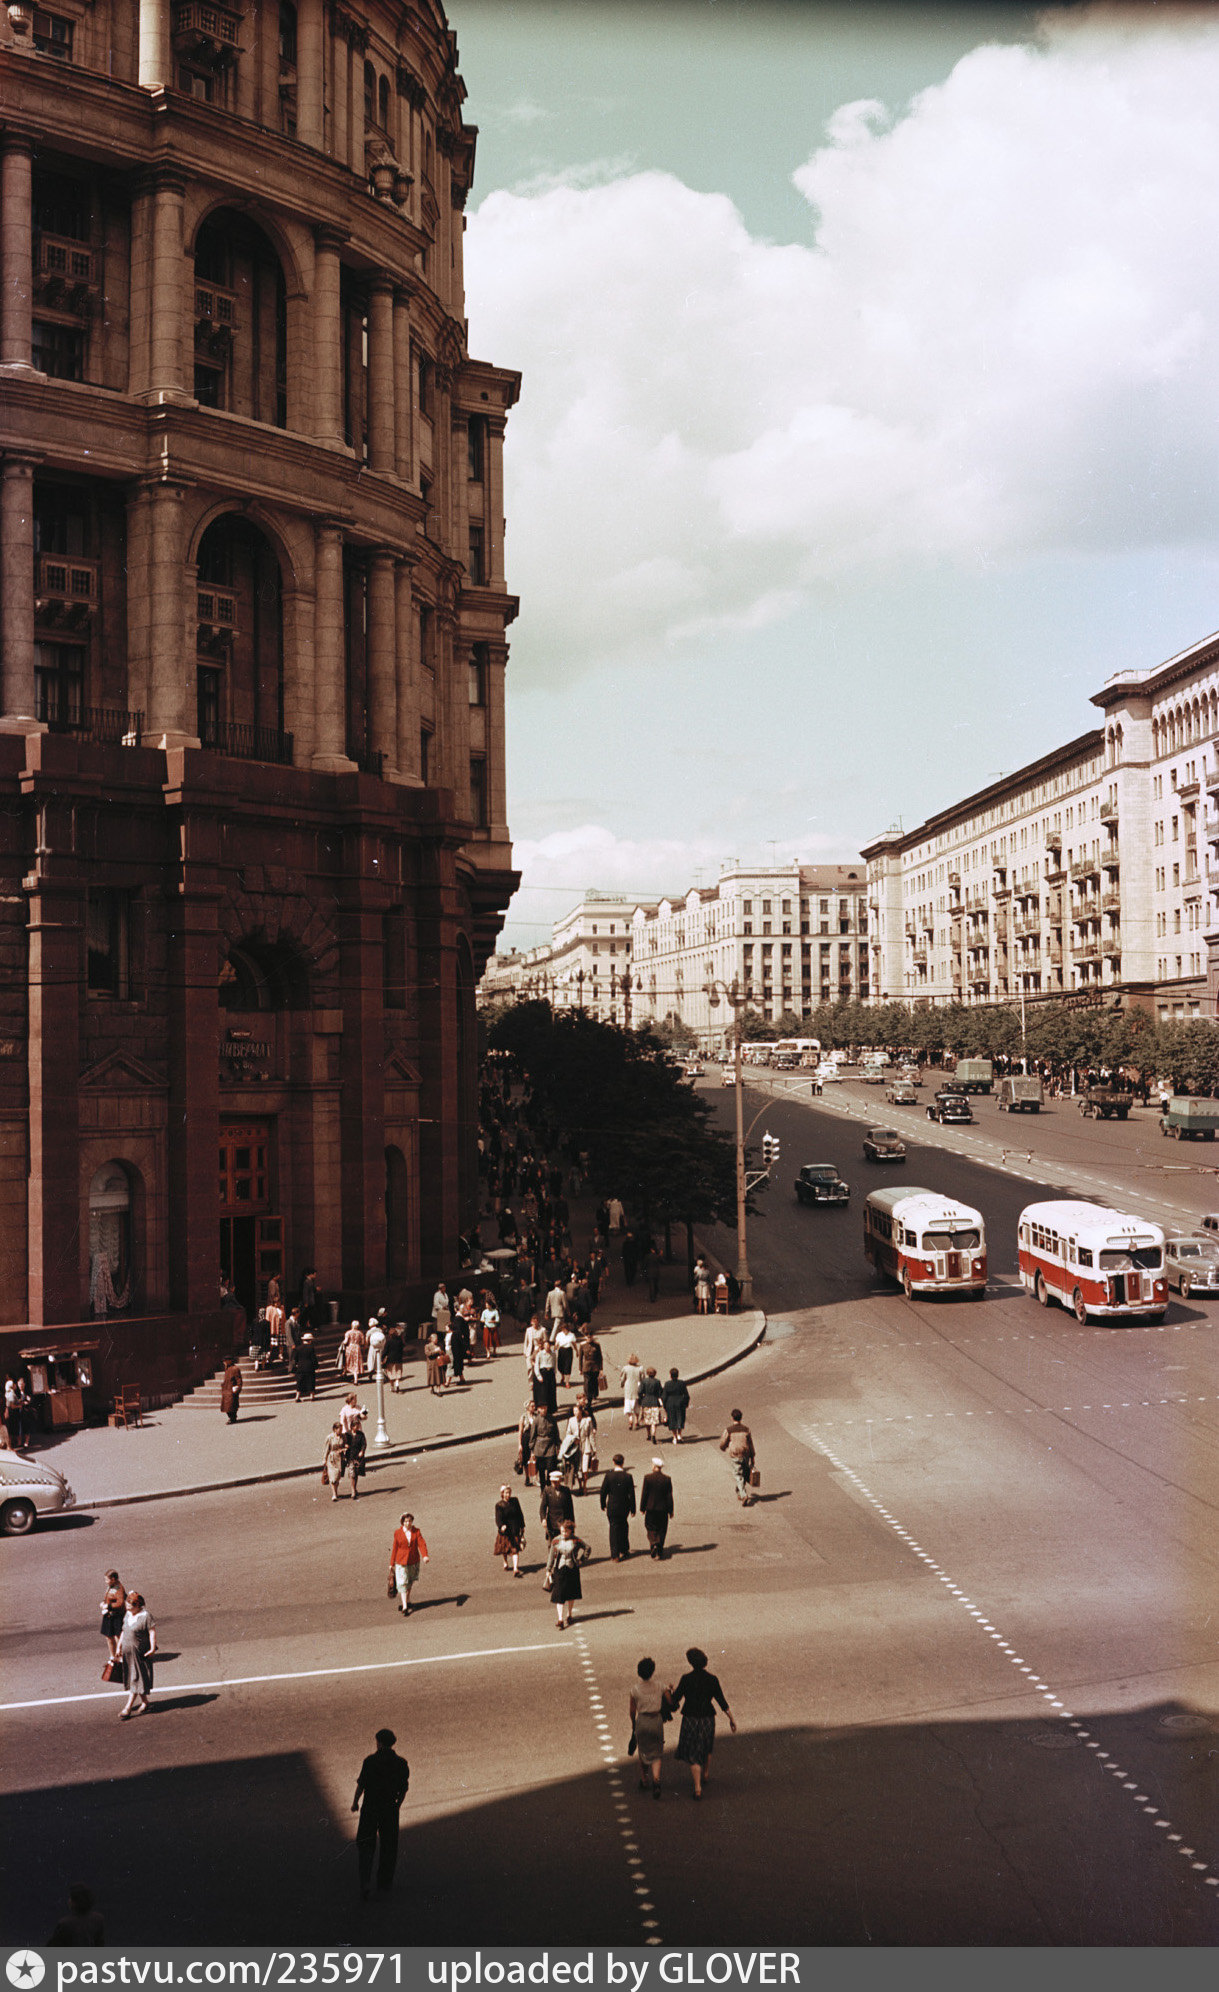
pixel 252 814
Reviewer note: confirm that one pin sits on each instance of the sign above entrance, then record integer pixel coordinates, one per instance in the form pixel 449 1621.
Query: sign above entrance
pixel 243 1056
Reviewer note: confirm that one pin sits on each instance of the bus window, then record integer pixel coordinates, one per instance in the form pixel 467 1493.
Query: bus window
pixel 1146 1257
pixel 1085 1256
pixel 951 1241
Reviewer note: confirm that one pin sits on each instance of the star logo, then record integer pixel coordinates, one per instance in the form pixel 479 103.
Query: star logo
pixel 25 1968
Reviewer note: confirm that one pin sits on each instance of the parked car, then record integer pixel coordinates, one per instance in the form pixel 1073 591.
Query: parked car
pixel 902 1094
pixel 1210 1222
pixel 1192 1265
pixel 29 1488
pixel 728 1076
pixel 820 1183
pixel 951 1108
pixel 883 1144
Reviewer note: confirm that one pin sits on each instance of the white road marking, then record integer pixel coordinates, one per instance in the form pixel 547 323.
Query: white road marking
pixel 630 1846
pixel 305 1674
pixel 1016 1660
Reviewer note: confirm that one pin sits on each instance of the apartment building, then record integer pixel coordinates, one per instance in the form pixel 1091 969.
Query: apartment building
pixel 1092 874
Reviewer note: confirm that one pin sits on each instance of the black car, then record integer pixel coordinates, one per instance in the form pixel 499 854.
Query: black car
pixel 883 1144
pixel 950 1107
pixel 820 1183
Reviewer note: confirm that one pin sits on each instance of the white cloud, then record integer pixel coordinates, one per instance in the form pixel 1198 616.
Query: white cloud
pixel 1005 339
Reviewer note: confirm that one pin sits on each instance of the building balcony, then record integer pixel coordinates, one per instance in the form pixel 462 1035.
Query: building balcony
pixel 215 310
pixel 65 589
pixel 1089 951
pixel 954 878
pixel 65 274
pixel 1031 924
pixel 1108 812
pixel 255 743
pixel 1028 894
pixel 1111 902
pixel 1210 777
pixel 216 615
pixel 1085 868
pixel 104 723
pixel 1053 953
pixel 1186 790
pixel 1111 949
pixel 979 985
pixel 1053 840
pixel 1110 857
pixel 919 957
pixel 1001 890
pixel 204 32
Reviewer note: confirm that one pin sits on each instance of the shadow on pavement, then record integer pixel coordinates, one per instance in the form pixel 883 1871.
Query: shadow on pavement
pixel 1005 1832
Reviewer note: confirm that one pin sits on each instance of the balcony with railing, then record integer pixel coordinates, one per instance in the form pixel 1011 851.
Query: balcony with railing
pixel 66 588
pixel 65 274
pixel 1110 857
pixel 1090 951
pixel 1111 902
pixel 1030 923
pixel 215 311
pixel 1108 812
pixel 247 743
pixel 919 957
pixel 1187 790
pixel 1111 947
pixel 204 31
pixel 1085 868
pixel 108 724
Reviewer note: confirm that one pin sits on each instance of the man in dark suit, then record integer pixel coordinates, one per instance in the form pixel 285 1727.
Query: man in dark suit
pixel 545 1445
pixel 556 1506
pixel 656 1507
pixel 381 1786
pixel 459 1337
pixel 618 1505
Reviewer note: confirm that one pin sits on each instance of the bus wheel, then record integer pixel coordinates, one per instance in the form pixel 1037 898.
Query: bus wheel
pixel 1080 1305
pixel 907 1283
pixel 1042 1291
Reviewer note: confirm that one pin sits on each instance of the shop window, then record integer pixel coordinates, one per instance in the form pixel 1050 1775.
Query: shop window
pixel 110 1240
pixel 108 944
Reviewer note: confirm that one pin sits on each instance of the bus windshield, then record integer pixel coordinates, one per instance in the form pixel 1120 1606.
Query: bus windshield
pixel 951 1241
pixel 1145 1256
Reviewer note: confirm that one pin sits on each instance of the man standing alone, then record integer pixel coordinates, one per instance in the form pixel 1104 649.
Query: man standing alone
pixel 618 1505
pixel 737 1442
pixel 382 1785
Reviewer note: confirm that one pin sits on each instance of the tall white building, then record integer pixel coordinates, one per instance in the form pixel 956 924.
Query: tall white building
pixel 1092 873
pixel 792 936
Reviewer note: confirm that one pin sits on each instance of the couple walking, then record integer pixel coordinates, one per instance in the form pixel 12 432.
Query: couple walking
pixel 697 1695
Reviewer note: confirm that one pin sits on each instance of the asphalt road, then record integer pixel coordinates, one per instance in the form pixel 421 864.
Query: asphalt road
pixel 969 1633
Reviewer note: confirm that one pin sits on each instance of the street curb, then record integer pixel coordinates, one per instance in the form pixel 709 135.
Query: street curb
pixel 398 1452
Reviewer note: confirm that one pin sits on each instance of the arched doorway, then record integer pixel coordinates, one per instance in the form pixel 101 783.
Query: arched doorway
pixel 110 1240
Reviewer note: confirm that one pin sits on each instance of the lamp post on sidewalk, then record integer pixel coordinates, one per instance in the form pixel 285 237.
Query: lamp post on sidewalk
pixel 381 1435
pixel 731 993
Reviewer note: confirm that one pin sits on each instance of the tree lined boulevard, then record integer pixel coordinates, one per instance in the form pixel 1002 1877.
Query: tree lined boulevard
pixel 969 1633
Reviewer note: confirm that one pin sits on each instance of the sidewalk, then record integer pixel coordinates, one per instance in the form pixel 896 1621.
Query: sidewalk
pixel 187 1450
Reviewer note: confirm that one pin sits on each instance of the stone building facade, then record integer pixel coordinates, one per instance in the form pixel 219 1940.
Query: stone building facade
pixel 1092 874
pixel 253 608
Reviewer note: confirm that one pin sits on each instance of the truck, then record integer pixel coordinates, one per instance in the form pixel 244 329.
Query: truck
pixel 1020 1093
pixel 973 1075
pixel 1105 1103
pixel 1187 1119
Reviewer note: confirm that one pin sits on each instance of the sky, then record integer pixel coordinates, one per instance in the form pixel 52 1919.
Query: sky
pixel 870 407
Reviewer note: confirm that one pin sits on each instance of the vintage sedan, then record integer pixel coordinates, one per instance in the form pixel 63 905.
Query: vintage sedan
pixel 883 1144
pixel 902 1094
pixel 950 1109
pixel 820 1183
pixel 1192 1265
pixel 29 1488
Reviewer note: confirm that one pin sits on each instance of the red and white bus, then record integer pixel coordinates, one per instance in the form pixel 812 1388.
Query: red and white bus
pixel 927 1242
pixel 1092 1260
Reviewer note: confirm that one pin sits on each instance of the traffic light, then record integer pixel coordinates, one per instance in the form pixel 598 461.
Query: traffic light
pixel 770 1149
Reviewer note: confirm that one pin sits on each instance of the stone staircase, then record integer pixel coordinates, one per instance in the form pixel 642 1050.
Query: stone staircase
pixel 277 1384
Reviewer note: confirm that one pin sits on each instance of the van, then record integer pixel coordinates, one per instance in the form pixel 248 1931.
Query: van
pixel 1187 1119
pixel 1020 1094
pixel 973 1075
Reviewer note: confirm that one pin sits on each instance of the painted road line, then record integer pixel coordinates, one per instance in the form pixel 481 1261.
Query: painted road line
pixel 305 1674
pixel 1017 1661
pixel 622 1812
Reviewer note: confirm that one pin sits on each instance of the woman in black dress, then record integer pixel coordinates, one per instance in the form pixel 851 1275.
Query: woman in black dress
pixel 113 1609
pixel 696 1695
pixel 509 1531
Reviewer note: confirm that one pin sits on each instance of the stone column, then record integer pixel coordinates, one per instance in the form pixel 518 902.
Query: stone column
pixel 53 1056
pixel 156 53
pixel 382 655
pixel 17 593
pixel 170 716
pixel 262 23
pixel 158 284
pixel 442 444
pixel 193 1008
pixel 382 433
pixel 404 396
pixel 310 27
pixel 16 255
pixel 327 337
pixel 268 68
pixel 407 756
pixel 340 97
pixel 329 654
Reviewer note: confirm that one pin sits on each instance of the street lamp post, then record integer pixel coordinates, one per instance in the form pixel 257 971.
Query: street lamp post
pixel 381 1436
pixel 732 995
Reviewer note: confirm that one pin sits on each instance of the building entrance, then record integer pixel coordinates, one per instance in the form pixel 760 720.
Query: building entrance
pixel 251 1235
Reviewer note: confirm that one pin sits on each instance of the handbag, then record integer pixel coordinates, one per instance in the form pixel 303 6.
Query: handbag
pixel 602 1385
pixel 755 1478
pixel 391 1586
pixel 633 1744
pixel 547 1580
pixel 112 1671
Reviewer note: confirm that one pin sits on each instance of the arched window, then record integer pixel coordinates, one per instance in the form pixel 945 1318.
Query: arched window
pixel 110 1240
pixel 264 975
pixel 239 643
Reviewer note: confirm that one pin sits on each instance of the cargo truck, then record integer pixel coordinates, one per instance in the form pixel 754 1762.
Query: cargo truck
pixel 973 1075
pixel 1187 1119
pixel 1020 1093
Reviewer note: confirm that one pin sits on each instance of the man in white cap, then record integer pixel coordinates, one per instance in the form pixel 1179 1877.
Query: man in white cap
pixel 656 1506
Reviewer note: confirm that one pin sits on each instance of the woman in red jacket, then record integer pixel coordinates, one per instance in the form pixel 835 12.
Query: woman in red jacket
pixel 407 1553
